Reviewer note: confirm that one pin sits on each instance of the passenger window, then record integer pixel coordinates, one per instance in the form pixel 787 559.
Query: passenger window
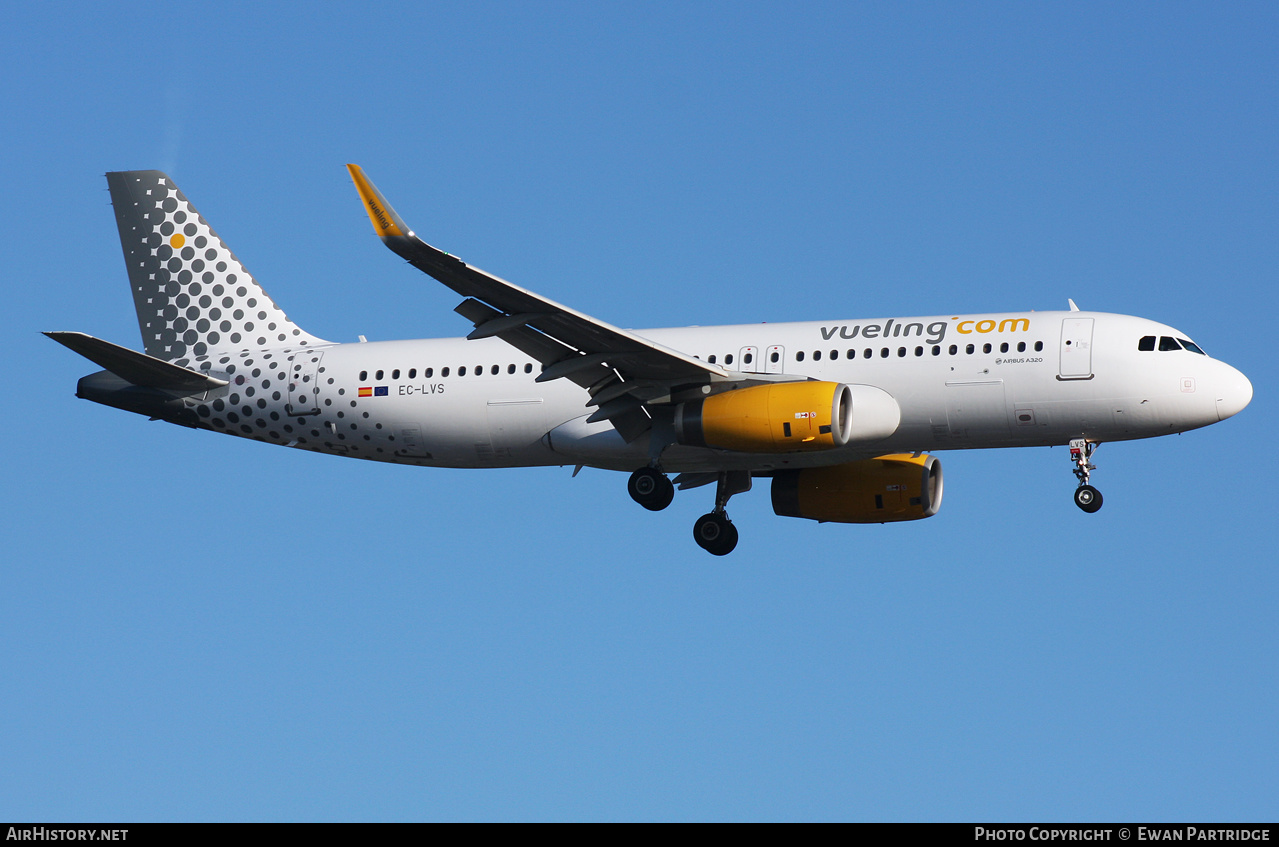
pixel 834 354
pixel 444 373
pixel 919 351
pixel 868 353
pixel 954 348
pixel 479 370
pixel 497 369
pixel 395 374
pixel 528 368
pixel 1021 347
pixel 901 352
pixel 775 357
pixel 1039 346
pixel 711 358
pixel 1146 344
pixel 728 359
pixel 970 349
pixel 461 371
pixel 364 375
pixel 817 355
pixel 748 358
pixel 378 375
pixel 1003 348
pixel 883 352
pixel 799 357
pixel 510 369
pixel 985 348
pixel 1166 343
pixel 852 354
pixel 412 373
pixel 428 373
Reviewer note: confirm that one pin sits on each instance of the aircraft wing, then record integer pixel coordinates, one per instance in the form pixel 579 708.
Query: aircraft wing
pixel 621 369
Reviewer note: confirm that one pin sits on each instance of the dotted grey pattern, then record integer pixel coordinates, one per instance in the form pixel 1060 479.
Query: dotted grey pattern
pixel 289 397
pixel 193 297
pixel 199 308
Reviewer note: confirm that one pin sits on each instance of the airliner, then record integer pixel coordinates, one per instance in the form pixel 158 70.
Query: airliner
pixel 839 415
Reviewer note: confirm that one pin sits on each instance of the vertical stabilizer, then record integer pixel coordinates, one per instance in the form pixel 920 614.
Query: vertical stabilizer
pixel 193 297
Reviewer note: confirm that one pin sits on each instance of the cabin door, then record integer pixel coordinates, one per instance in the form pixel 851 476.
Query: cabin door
pixel 1076 348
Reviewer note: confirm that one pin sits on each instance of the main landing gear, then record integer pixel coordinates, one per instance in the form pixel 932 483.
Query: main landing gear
pixel 713 531
pixel 651 489
pixel 1086 497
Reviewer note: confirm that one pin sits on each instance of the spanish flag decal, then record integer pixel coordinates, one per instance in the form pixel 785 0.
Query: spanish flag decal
pixel 366 392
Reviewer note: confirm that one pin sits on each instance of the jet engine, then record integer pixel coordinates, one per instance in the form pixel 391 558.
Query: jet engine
pixel 896 487
pixel 788 417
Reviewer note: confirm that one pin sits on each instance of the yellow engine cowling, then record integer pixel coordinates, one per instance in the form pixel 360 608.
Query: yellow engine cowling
pixel 897 487
pixel 780 418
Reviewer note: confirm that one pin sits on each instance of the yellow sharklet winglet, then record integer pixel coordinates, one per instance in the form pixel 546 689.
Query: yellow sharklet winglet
pixel 385 221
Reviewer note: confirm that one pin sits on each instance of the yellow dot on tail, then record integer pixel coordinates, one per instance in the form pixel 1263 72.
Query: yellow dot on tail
pixel 177 241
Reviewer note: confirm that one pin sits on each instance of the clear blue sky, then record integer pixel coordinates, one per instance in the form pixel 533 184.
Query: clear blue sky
pixel 199 627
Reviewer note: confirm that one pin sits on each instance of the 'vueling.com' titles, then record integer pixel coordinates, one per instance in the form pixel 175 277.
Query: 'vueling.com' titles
pixel 936 331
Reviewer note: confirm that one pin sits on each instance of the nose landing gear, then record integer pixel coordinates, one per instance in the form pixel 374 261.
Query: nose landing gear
pixel 1086 497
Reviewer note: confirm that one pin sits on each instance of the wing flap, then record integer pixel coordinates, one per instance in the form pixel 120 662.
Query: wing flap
pixel 541 347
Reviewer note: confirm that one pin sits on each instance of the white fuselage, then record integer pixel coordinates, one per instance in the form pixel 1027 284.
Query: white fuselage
pixel 972 381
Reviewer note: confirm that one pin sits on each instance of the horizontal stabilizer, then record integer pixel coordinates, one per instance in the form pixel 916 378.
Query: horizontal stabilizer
pixel 137 368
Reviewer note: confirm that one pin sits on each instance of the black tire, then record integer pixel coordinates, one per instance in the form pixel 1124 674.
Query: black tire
pixel 728 542
pixel 1088 498
pixel 715 534
pixel 651 489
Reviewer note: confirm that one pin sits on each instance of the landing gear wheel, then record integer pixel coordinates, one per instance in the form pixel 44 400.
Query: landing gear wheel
pixel 651 489
pixel 715 533
pixel 1088 498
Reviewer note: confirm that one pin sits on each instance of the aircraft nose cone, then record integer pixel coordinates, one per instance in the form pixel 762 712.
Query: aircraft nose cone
pixel 1234 391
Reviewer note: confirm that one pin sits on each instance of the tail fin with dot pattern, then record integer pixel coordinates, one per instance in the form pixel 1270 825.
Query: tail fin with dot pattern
pixel 193 297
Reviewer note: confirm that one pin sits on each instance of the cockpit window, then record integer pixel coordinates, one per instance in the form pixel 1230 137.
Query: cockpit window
pixel 1147 343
